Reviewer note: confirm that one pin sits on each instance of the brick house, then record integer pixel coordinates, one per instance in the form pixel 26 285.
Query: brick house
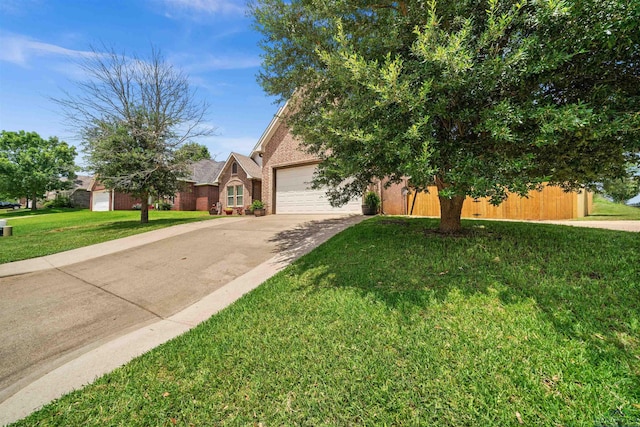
pixel 287 170
pixel 239 181
pixel 198 192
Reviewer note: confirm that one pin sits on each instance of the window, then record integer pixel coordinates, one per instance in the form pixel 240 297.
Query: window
pixel 239 194
pixel 234 168
pixel 235 195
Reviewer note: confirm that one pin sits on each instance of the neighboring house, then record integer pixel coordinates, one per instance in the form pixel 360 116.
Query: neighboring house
pixel 79 195
pixel 103 199
pixel 239 181
pixel 199 191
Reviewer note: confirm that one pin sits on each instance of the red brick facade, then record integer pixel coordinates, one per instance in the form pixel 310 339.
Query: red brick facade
pixel 251 188
pixel 206 196
pixel 282 150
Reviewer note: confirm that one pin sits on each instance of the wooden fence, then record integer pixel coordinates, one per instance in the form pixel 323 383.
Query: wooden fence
pixel 549 204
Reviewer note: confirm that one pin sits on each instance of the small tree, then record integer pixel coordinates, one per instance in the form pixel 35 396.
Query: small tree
pixel 192 152
pixel 31 165
pixel 479 98
pixel 624 188
pixel 133 115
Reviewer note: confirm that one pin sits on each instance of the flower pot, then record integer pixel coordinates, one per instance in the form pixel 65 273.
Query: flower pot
pixel 369 210
pixel 229 212
pixel 259 212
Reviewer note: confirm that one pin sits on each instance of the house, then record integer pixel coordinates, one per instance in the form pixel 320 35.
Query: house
pixel 199 191
pixel 278 172
pixel 239 181
pixel 78 194
pixel 287 170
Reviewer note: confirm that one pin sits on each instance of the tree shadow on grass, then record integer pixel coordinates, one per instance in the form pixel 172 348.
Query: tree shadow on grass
pixel 584 282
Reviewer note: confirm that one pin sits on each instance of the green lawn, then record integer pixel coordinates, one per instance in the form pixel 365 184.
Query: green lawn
pixel 48 231
pixel 604 210
pixel 390 323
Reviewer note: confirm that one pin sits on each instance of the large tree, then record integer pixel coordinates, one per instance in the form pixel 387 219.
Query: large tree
pixel 478 98
pixel 133 114
pixel 31 165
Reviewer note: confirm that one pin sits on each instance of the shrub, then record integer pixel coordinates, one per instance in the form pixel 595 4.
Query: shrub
pixel 164 206
pixel 257 204
pixel 372 200
pixel 59 202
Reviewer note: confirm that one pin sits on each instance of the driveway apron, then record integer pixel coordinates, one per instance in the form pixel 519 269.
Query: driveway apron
pixel 50 317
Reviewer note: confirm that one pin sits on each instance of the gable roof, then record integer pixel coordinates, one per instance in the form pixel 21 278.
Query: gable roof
pixel 204 171
pixel 270 130
pixel 253 170
pixel 82 182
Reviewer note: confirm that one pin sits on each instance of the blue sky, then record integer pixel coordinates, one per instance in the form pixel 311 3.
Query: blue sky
pixel 211 40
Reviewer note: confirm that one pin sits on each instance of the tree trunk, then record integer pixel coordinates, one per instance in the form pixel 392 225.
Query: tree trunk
pixel 34 202
pixel 144 208
pixel 450 211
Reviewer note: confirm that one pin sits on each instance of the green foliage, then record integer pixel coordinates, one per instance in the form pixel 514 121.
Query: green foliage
pixel 257 204
pixel 133 115
pixel 624 188
pixel 488 97
pixel 59 202
pixel 164 206
pixel 31 165
pixel 192 151
pixel 372 200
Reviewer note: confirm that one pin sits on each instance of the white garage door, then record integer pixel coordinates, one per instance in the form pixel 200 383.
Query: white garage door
pixel 295 196
pixel 100 201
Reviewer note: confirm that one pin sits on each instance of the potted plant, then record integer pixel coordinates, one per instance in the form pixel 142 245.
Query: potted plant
pixel 371 203
pixel 258 208
pixel 248 210
pixel 228 211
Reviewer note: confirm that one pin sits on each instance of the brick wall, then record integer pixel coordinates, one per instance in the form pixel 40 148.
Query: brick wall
pixel 228 179
pixel 123 202
pixel 280 151
pixel 206 196
pixel 185 199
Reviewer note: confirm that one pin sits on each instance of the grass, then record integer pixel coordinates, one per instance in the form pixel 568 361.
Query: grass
pixel 389 323
pixel 604 210
pixel 49 231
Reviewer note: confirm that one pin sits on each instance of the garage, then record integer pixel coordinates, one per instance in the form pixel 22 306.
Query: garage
pixel 295 196
pixel 100 201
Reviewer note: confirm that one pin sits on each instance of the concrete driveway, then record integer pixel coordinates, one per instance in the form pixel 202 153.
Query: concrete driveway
pixel 53 316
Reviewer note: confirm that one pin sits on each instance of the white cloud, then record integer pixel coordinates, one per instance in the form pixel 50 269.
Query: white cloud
pixel 196 8
pixel 19 49
pixel 203 63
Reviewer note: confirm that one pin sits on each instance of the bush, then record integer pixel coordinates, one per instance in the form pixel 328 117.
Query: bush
pixel 372 200
pixel 59 202
pixel 257 204
pixel 164 206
